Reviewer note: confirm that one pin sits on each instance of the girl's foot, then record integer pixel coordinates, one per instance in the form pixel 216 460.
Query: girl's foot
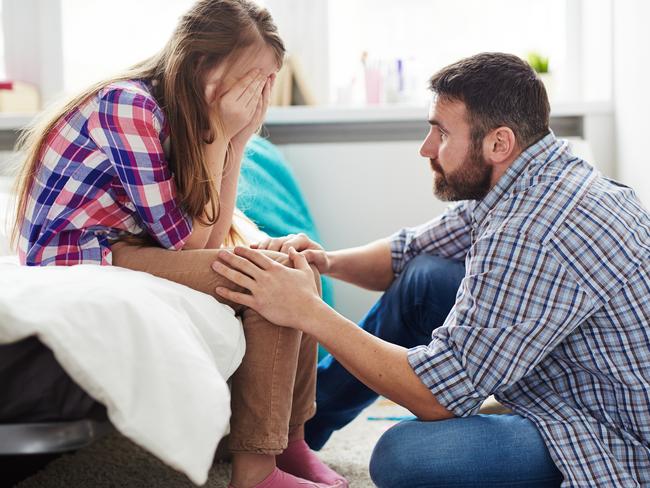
pixel 299 460
pixel 280 479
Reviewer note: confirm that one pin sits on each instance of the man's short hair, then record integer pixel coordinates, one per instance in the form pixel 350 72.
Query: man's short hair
pixel 498 90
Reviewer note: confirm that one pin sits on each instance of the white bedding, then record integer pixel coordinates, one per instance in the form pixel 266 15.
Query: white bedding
pixel 156 353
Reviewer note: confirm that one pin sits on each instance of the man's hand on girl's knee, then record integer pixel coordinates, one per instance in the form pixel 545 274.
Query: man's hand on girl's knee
pixel 278 257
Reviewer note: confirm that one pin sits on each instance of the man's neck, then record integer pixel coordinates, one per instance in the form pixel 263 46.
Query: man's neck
pixel 501 169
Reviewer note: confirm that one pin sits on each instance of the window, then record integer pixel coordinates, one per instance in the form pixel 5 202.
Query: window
pixel 100 38
pixel 575 35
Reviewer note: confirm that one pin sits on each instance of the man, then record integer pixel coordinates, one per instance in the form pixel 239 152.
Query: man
pixel 550 311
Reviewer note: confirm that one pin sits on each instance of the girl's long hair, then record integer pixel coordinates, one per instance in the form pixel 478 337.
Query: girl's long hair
pixel 208 34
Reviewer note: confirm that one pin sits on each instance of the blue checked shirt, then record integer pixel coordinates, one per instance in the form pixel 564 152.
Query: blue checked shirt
pixel 553 314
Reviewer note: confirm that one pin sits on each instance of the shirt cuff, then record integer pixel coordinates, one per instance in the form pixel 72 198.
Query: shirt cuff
pixel 172 230
pixel 444 376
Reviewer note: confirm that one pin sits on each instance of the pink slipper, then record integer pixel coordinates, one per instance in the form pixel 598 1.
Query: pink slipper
pixel 280 479
pixel 299 460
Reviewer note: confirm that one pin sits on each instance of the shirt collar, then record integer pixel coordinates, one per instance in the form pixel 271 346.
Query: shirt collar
pixel 541 151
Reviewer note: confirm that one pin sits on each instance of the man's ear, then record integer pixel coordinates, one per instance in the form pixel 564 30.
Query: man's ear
pixel 500 146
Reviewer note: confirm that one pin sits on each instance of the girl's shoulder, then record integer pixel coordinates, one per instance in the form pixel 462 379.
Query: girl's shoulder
pixel 128 90
pixel 120 97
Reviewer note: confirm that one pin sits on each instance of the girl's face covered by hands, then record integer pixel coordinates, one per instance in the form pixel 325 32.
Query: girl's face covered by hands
pixel 238 92
pixel 223 77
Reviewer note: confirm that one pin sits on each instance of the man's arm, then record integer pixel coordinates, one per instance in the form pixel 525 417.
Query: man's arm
pixel 374 266
pixel 368 266
pixel 380 365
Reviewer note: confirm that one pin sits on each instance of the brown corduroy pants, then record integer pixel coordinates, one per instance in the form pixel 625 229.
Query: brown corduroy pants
pixel 274 389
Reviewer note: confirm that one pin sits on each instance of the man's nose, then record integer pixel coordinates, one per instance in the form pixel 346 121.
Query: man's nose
pixel 429 147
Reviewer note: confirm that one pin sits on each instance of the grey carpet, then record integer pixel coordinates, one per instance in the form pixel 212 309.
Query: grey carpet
pixel 114 461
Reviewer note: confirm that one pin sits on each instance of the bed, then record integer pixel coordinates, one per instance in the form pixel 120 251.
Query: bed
pixel 156 354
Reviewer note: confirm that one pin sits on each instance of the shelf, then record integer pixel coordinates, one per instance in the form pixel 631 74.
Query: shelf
pixel 399 113
pixel 14 122
pixel 335 115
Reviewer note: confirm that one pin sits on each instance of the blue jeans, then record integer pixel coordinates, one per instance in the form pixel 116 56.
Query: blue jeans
pixel 479 451
pixel 415 304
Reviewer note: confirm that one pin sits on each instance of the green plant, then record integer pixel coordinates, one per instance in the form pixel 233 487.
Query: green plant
pixel 538 62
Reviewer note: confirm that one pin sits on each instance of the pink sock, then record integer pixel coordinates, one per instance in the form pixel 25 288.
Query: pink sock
pixel 280 479
pixel 299 460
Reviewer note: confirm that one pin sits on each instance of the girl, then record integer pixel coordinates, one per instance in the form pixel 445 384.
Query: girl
pixel 141 171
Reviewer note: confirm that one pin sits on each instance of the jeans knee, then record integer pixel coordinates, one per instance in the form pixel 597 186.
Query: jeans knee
pixel 390 463
pixel 426 274
pixel 426 290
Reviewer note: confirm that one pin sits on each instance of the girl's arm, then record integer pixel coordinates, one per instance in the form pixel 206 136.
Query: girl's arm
pixel 238 109
pixel 227 199
pixel 230 178
pixel 215 154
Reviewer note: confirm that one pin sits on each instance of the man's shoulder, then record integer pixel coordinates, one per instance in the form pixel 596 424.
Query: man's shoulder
pixel 593 226
pixel 545 195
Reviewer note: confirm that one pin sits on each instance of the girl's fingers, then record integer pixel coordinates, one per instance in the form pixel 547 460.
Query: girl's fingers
pixel 237 297
pixel 237 263
pixel 233 275
pixel 266 93
pixel 255 257
pixel 258 116
pixel 240 87
pixel 262 244
pixel 253 92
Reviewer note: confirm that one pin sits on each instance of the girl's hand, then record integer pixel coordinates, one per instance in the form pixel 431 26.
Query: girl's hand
pixel 312 251
pixel 241 138
pixel 236 107
pixel 282 295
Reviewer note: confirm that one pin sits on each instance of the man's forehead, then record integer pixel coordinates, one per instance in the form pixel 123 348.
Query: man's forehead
pixel 449 110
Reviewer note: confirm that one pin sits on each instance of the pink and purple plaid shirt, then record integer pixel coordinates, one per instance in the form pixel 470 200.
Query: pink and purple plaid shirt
pixel 103 174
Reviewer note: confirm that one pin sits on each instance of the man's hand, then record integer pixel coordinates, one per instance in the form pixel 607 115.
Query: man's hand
pixel 312 251
pixel 282 295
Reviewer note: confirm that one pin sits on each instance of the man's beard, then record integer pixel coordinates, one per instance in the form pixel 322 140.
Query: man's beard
pixel 470 181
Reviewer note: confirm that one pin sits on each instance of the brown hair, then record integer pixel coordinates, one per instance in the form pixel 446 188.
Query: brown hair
pixel 207 35
pixel 498 90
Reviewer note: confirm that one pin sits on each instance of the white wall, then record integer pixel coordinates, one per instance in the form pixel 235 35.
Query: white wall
pixel 359 192
pixel 632 93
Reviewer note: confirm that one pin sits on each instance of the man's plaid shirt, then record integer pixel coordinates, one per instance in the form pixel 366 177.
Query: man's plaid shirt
pixel 553 314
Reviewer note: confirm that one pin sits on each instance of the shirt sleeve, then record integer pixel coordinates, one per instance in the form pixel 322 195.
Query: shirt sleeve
pixel 127 126
pixel 516 303
pixel 448 236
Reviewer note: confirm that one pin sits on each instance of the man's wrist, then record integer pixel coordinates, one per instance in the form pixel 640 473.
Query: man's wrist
pixel 333 262
pixel 316 317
